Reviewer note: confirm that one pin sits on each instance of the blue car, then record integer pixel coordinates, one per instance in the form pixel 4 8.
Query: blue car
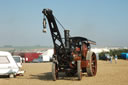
pixel 38 60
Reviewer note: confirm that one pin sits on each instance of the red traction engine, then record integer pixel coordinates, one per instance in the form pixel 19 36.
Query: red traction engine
pixel 72 55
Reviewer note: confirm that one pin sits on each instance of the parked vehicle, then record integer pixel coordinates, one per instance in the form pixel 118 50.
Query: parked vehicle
pixel 44 57
pixel 47 55
pixel 29 57
pixel 18 60
pixel 38 60
pixel 124 56
pixel 8 66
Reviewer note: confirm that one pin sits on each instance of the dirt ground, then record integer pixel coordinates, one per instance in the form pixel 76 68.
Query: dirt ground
pixel 40 74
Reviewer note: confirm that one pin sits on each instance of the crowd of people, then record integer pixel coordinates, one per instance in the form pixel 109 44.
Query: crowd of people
pixel 110 58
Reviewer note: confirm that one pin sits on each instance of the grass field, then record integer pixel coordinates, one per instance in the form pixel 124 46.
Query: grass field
pixel 40 74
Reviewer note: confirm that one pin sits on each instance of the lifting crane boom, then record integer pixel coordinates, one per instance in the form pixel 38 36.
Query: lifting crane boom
pixel 56 37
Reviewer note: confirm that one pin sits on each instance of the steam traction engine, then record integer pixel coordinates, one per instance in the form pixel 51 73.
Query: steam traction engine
pixel 71 55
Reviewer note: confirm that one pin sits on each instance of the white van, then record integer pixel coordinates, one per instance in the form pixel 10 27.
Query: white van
pixel 8 66
pixel 18 60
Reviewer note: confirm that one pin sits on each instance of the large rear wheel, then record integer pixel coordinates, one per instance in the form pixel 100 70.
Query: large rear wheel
pixel 92 64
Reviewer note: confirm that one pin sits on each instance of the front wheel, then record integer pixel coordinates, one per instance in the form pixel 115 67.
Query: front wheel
pixel 54 71
pixel 79 71
pixel 11 75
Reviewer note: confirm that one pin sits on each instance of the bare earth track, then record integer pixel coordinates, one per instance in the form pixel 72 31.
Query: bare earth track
pixel 40 74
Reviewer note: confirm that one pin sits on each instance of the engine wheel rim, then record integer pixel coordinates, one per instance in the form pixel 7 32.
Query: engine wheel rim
pixel 79 70
pixel 94 64
pixel 54 71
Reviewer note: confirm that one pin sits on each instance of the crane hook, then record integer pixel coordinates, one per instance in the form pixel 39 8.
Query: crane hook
pixel 44 25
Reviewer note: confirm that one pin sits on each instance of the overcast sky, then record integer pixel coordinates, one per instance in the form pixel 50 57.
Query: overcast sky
pixel 103 21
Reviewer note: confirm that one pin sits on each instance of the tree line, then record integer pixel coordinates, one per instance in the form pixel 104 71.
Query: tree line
pixel 113 52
